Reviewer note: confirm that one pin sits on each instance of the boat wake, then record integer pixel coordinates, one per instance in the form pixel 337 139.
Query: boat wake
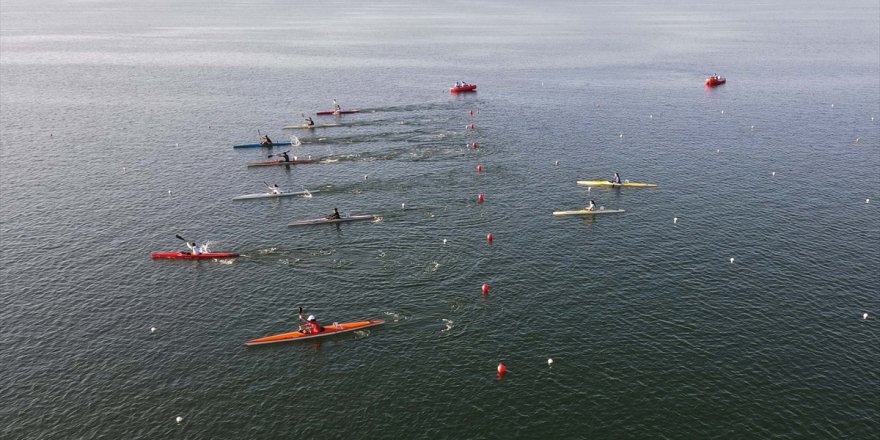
pixel 449 324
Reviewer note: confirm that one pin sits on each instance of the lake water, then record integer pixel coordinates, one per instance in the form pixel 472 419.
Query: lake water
pixel 727 302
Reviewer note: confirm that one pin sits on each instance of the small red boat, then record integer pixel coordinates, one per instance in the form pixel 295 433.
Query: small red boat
pixel 715 80
pixel 463 88
pixel 188 255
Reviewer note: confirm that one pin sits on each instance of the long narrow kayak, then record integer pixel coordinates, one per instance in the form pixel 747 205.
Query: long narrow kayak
pixel 283 162
pixel 588 212
pixel 334 112
pixel 609 183
pixel 306 126
pixel 322 220
pixel 298 335
pixel 273 196
pixel 273 144
pixel 187 255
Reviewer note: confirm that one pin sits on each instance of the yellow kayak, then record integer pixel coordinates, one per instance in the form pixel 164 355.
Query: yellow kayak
pixel 588 212
pixel 608 183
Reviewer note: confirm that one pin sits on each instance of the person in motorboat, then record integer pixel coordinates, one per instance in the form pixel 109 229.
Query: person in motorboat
pixel 591 206
pixel 616 179
pixel 264 140
pixel 335 215
pixel 274 189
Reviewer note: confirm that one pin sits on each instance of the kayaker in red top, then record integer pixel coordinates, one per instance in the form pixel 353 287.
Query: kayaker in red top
pixel 313 325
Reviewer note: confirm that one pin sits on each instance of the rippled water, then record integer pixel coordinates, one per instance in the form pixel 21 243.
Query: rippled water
pixel 117 126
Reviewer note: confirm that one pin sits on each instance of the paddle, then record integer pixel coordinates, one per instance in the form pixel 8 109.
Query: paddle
pixel 279 154
pixel 181 238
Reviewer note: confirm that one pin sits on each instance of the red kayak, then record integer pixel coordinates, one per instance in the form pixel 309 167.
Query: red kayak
pixel 715 80
pixel 334 112
pixel 188 255
pixel 463 88
pixel 331 329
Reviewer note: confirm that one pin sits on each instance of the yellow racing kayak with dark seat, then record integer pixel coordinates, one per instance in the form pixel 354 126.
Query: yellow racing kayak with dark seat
pixel 609 183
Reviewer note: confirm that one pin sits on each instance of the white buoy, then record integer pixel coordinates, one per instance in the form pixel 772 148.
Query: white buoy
pixel 753 127
pixel 550 362
pixel 722 112
pixel 731 259
pixel 872 118
pixel 674 220
pixel 444 242
pixel 865 315
pixel 403 206
pixel 152 329
pixel 179 419
pixel 589 188
pixel 124 169
pixel 651 117
pixel 832 105
pixel 773 173
pixel 867 200
pixel 718 151
pixel 557 163
pixel 169 192
pixel 177 145
pixel 365 177
pixel 858 139
pixel 621 134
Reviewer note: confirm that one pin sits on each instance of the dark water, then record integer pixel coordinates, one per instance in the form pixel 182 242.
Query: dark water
pixel 117 125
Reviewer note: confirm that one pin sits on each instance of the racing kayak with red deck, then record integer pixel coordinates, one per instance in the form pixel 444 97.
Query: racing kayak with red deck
pixel 299 335
pixel 188 255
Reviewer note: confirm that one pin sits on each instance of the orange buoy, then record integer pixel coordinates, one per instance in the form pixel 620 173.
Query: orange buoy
pixel 485 288
pixel 479 168
pixel 480 198
pixel 501 368
pixel 489 237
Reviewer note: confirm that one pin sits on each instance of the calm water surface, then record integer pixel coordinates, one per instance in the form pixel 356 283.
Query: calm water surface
pixel 116 126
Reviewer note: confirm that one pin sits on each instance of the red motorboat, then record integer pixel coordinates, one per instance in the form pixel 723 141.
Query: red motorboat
pixel 463 88
pixel 715 80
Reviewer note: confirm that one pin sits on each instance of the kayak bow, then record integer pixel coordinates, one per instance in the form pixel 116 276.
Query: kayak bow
pixel 298 335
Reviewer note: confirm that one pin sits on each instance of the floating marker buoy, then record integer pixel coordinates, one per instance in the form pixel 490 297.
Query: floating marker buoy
pixel 722 112
pixel 589 188
pixel 123 169
pixel 557 163
pixel 674 220
pixel 444 242
pixel 474 145
pixel 550 362
pixel 501 369
pixel 169 192
pixel 857 140
pixel 403 206
pixel 471 126
pixel 867 200
pixel 177 145
pixel 717 151
pixel 479 168
pixel 832 105
pixel 865 316
pixel 621 134
pixel 179 419
pixel 152 329
pixel 489 237
pixel 485 288
pixel 480 198
pixel 753 127
pixel 731 259
pixel 651 117
pixel 471 112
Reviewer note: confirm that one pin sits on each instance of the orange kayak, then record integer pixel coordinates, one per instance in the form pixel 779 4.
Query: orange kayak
pixel 331 329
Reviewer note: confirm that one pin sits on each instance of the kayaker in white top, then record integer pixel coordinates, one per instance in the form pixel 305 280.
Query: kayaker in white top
pixel 591 206
pixel 274 189
pixel 336 107
pixel 616 179
pixel 264 140
pixel 195 248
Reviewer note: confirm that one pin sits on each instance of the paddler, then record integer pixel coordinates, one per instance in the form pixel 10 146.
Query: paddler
pixel 313 325
pixel 274 189
pixel 335 215
pixel 264 140
pixel 591 206
pixel 336 107
pixel 616 179
pixel 285 156
pixel 195 248
pixel 309 121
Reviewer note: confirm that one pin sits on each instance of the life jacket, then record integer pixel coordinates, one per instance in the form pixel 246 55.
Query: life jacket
pixel 314 327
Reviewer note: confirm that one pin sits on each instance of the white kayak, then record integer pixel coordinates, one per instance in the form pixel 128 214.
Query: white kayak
pixel 322 220
pixel 588 212
pixel 274 196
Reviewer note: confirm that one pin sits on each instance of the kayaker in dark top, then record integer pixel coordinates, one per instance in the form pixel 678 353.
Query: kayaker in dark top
pixel 309 121
pixel 616 179
pixel 336 107
pixel 264 140
pixel 285 156
pixel 335 215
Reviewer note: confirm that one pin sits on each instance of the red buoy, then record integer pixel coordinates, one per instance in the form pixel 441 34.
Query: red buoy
pixel 474 145
pixel 480 198
pixel 472 126
pixel 489 237
pixel 479 168
pixel 471 112
pixel 485 288
pixel 501 369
